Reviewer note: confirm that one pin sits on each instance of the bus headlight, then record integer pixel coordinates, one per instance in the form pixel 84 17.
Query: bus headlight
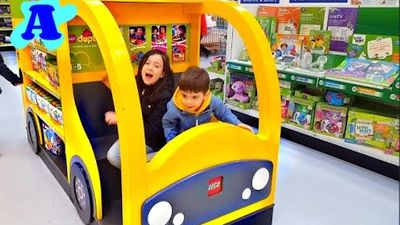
pixel 160 213
pixel 260 179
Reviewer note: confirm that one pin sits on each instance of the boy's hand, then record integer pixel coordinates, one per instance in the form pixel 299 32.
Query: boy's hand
pixel 110 118
pixel 245 126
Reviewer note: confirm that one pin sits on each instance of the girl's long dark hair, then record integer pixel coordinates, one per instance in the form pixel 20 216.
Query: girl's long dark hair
pixel 166 82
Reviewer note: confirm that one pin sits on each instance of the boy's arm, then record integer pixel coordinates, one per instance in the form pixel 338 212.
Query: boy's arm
pixel 170 122
pixel 223 113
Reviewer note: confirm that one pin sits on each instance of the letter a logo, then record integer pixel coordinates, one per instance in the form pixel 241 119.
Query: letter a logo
pixel 42 19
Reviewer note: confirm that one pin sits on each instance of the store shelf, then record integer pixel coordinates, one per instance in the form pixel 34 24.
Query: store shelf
pixel 43 49
pixel 6 29
pixel 216 75
pixel 249 112
pixel 59 129
pixel 375 153
pixel 39 79
pixel 6 45
pixel 240 66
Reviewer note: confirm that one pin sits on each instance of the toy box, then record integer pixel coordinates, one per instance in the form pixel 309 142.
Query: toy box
pixel 309 94
pixel 374 47
pixel 52 142
pixel 217 87
pixel 301 112
pixel 285 98
pixel 330 120
pixel 240 90
pixel 379 131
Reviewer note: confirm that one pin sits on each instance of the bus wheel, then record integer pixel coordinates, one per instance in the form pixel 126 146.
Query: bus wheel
pixel 81 193
pixel 32 133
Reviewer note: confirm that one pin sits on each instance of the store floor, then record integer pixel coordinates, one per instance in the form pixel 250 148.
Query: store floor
pixel 312 189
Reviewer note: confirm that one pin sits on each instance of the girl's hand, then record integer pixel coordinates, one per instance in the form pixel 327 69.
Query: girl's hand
pixel 245 126
pixel 110 118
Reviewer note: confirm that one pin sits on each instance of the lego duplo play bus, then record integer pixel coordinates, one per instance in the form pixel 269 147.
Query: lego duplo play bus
pixel 215 173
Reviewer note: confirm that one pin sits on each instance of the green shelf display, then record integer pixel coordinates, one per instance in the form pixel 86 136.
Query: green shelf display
pixel 389 95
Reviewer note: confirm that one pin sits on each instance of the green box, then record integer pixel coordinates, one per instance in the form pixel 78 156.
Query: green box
pixel 368 128
pixel 301 112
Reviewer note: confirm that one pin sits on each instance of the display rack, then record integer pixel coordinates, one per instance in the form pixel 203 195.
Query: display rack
pixel 5 24
pixel 365 156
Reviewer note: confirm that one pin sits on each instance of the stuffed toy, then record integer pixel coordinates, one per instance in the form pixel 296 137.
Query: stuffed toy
pixel 239 87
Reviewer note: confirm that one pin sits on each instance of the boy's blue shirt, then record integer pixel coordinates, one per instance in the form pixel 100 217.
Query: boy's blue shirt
pixel 175 120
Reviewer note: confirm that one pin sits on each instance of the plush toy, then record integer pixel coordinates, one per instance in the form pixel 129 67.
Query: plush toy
pixel 239 87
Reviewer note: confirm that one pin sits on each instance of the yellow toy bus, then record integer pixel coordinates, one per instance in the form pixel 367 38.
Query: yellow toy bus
pixel 215 173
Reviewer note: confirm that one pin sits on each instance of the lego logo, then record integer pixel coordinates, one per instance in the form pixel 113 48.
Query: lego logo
pixel 215 185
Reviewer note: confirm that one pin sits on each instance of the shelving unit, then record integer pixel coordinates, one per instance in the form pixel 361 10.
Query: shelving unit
pixel 318 80
pixel 5 24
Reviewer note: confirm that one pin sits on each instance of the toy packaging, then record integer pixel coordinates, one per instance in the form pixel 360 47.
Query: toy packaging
pixel 52 142
pixel 217 88
pixel 217 64
pixel 374 47
pixel 319 41
pixel 288 19
pixel 341 22
pixel 337 98
pixel 311 18
pixel 285 99
pixel 268 24
pixel 363 70
pixel 301 112
pixel 240 90
pixel 289 45
pixel 369 128
pixel 330 120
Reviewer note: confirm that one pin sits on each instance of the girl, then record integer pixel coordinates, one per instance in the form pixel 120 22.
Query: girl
pixel 155 85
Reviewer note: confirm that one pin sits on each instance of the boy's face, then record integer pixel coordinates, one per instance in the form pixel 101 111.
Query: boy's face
pixel 193 100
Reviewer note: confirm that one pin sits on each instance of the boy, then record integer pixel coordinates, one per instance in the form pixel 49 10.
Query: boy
pixel 192 104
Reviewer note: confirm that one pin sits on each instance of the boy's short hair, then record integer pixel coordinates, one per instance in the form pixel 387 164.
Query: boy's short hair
pixel 194 79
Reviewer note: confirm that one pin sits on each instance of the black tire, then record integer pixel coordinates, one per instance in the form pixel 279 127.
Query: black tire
pixel 81 193
pixel 32 133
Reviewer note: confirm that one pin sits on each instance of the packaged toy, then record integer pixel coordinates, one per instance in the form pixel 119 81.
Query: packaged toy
pixel 301 112
pixel 285 98
pixel 52 142
pixel 378 131
pixel 336 98
pixel 240 90
pixel 330 120
pixel 217 87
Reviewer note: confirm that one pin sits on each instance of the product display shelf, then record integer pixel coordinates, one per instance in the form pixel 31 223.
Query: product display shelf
pixel 378 93
pixel 5 31
pixel 40 80
pixel 215 75
pixel 59 129
pixel 249 112
pixel 375 153
pixel 317 79
pixel 43 49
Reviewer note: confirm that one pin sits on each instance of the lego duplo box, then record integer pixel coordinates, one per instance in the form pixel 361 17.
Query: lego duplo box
pixel 330 120
pixel 368 128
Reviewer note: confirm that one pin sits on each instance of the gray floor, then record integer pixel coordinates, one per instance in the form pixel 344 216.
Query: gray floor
pixel 312 188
